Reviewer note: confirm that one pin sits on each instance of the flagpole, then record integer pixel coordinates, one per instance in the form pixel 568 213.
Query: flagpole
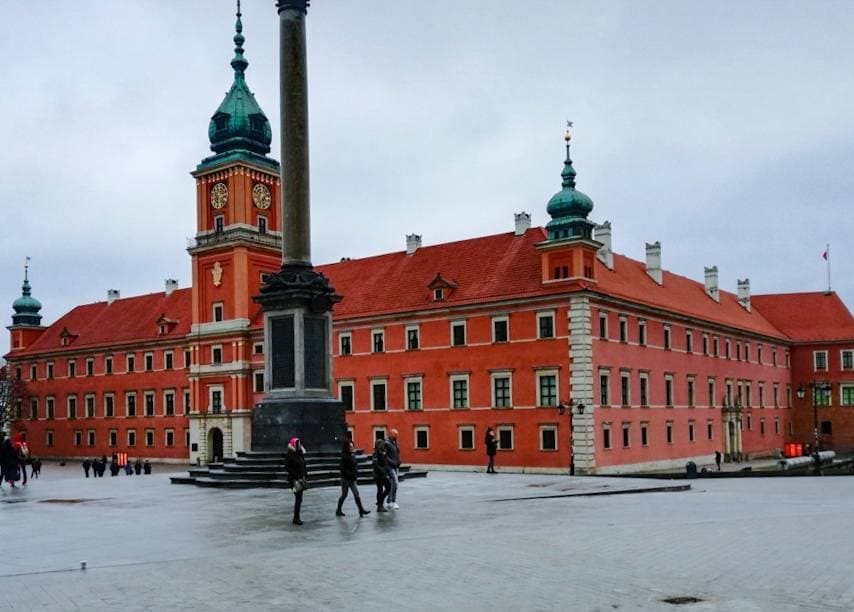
pixel 828 268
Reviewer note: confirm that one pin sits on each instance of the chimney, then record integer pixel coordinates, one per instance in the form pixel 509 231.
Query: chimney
pixel 744 293
pixel 413 243
pixel 522 221
pixel 602 233
pixel 653 261
pixel 711 277
pixel 171 285
pixel 112 295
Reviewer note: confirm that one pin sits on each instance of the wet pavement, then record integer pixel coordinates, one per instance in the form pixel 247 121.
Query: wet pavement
pixel 743 544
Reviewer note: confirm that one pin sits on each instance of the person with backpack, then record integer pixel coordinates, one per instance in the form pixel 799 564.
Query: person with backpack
pixel 349 470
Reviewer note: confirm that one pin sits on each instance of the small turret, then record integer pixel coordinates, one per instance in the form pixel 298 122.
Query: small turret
pixel 569 207
pixel 26 307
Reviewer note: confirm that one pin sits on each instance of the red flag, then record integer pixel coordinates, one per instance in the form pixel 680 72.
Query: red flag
pixel 824 255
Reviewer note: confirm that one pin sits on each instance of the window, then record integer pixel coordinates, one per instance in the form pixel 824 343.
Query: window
pixel 149 362
pixel 624 329
pixel 188 359
pixel 422 438
pixel 258 381
pixel 689 341
pixel 379 433
pixel 466 437
pixel 749 423
pixel 460 391
pixel 738 350
pixel 821 395
pixel 690 392
pixel 413 394
pixel 216 354
pixel 715 347
pixel 776 425
pixel 776 392
pixel 90 406
pixel 149 437
pixel 819 360
pixel 71 405
pixel 603 326
pixel 603 389
pixel 705 344
pixel 72 368
pixel 78 438
pixel 112 438
pixel 187 436
pixel 606 436
pixel 728 393
pixel 727 349
pixel 644 389
pixel 642 332
pixel 438 294
pixel 48 437
pixel 626 434
pixel 501 394
pixel 262 224
pixel 169 403
pixel 747 351
pixel 34 408
pixel 668 432
pixel 130 363
pixel 668 390
pixel 108 365
pixel 500 329
pixel 710 429
pixel 378 345
pixel 219 224
pixel 131 437
pixel 378 395
pixel 345 394
pixel 545 325
pixel 548 437
pixel 215 405
pixel 33 372
pixel 90 437
pixel 761 395
pixel 48 407
pixel 711 385
pixel 546 389
pixel 167 360
pixel 90 367
pixel 186 401
pixel 216 316
pixel 644 431
pixel 625 379
pixel 458 333
pixel 130 404
pixel 109 405
pixel 412 338
pixel 759 354
pixel 345 347
pixel 505 437
pixel 49 370
pixel 846 395
pixel 148 400
pixel 762 427
pixel 774 357
pixel 170 437
pixel 846 358
pixel 666 337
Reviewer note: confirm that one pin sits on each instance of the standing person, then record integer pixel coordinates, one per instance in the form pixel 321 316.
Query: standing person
pixel 718 459
pixel 491 447
pixel 349 474
pixel 114 467
pixel 87 463
pixel 137 467
pixel 36 467
pixel 380 464
pixel 128 469
pixel 103 467
pixel 146 467
pixel 393 457
pixel 22 451
pixel 9 461
pixel 295 466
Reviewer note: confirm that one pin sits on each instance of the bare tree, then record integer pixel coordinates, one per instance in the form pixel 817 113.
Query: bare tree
pixel 13 391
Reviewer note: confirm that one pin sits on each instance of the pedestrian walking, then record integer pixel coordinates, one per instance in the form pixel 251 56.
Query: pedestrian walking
pixel 718 459
pixel 297 475
pixel 491 448
pixel 137 467
pixel 349 469
pixel 22 451
pixel 380 465
pixel 146 467
pixel 36 467
pixel 87 464
pixel 9 461
pixel 114 467
pixel 393 457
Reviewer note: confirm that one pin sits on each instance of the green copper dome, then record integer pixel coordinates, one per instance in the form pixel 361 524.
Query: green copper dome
pixel 26 307
pixel 569 207
pixel 239 124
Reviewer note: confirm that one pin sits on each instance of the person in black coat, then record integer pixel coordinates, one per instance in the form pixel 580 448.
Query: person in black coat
pixel 491 447
pixel 295 466
pixel 380 465
pixel 349 469
pixel 146 467
pixel 137 467
pixel 87 463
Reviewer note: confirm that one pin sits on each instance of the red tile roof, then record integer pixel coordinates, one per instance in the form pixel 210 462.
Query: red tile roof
pixel 807 316
pixel 131 319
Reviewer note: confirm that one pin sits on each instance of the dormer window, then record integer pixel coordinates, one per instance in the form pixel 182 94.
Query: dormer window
pixel 66 337
pixel 165 325
pixel 438 294
pixel 441 288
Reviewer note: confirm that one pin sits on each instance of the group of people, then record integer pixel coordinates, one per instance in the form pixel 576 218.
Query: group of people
pixel 14 457
pixel 99 466
pixel 386 471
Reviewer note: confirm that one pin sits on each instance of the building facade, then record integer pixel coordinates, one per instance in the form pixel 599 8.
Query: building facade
pixel 576 355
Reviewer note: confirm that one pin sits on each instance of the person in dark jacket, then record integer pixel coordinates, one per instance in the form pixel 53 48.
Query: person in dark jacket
pixel 87 463
pixel 36 467
pixel 295 466
pixel 349 474
pixel 9 461
pixel 491 447
pixel 380 464
pixel 103 467
pixel 114 468
pixel 393 454
pixel 146 467
pixel 137 467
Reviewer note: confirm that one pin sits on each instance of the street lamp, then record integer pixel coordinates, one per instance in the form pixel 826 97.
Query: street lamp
pixel 560 410
pixel 801 393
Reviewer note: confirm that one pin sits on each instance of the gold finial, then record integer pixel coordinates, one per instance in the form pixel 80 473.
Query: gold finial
pixel 567 136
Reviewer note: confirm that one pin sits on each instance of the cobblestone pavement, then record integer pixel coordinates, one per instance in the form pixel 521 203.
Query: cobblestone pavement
pixel 740 544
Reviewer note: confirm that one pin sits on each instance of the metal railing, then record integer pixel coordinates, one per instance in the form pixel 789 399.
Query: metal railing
pixel 236 233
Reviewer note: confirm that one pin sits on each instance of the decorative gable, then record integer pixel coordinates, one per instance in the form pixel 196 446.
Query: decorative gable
pixel 441 288
pixel 66 338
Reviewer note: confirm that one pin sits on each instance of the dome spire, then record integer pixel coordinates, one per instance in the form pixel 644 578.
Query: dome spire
pixel 239 63
pixel 26 307
pixel 569 207
pixel 568 174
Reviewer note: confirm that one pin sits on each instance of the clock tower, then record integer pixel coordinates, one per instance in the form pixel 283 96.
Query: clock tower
pixel 238 240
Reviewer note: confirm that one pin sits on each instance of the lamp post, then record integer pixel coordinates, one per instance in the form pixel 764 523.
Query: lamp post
pixel 561 409
pixel 801 393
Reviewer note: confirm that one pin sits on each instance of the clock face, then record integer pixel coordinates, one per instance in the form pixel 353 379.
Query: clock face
pixel 261 196
pixel 219 195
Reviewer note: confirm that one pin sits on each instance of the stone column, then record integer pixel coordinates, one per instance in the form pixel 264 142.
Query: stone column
pixel 581 384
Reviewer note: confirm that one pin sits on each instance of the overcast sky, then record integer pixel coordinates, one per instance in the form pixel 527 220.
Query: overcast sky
pixel 725 130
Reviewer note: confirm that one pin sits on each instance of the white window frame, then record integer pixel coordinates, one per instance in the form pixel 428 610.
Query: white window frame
pixel 145 396
pixel 406 382
pixel 90 437
pixel 607 440
pixel 352 385
pixel 168 356
pixel 112 438
pixel 166 433
pixel 626 376
pixel 148 434
pixel 128 434
pixel 145 359
pixel 548 427
pixel 256 346
pixel 538 390
pixel 667 337
pixel 186 401
pixel 415 431
pixel 71 368
pixel 625 435
pixel 509 428
pixel 500 319
pixel 623 328
pixel 460 430
pixel 90 366
pixel 49 373
pixel 492 377
pixel 842 386
pixel 168 393
pixel 130 358
pixel 349 336
pixel 842 354
pixel 255 375
pixel 374 332
pixel 108 364
pixel 68 401
pixel 266 229
pixel 668 378
pixel 642 332
pixel 451 379
pixel 643 401
pixel 815 367
pixel 374 383
pixel 211 390
pixel 417 330
pixel 135 406
pixel 602 330
pixel 689 341
pixel 644 434
pixel 89 399
pixel 550 314
pixel 217 306
pixel 378 429
pixel 214 349
pixel 50 407
pixel 607 375
pixel 458 323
